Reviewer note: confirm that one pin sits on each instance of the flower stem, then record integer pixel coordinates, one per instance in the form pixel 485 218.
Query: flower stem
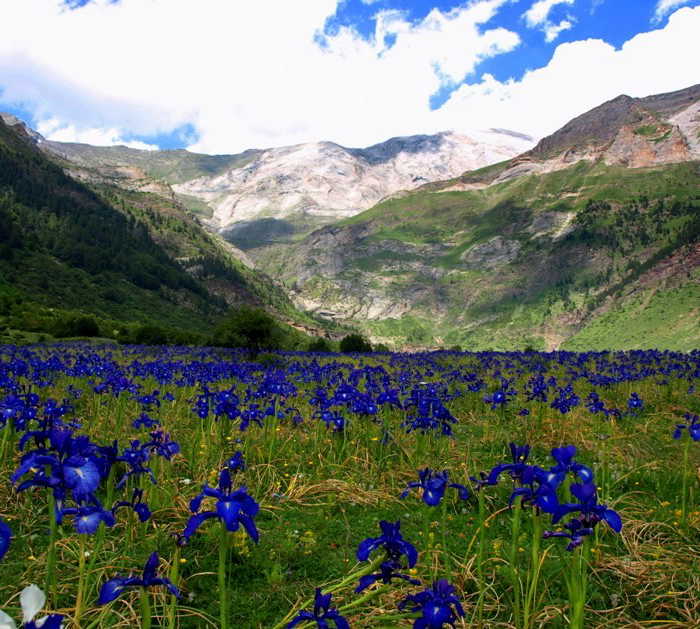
pixel 577 588
pixel 443 526
pixel 223 557
pixel 684 491
pixel 516 513
pixel 334 588
pixel 367 596
pixel 51 555
pixel 5 437
pixel 81 580
pixel 480 560
pixel 174 577
pixel 145 610
pixel 535 565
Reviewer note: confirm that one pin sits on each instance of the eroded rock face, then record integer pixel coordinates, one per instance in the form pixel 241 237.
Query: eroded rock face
pixel 633 149
pixel 492 254
pixel 324 179
pixel 552 224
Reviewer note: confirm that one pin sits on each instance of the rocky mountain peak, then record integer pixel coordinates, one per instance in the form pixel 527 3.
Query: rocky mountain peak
pixel 21 128
pixel 597 128
pixel 326 181
pixel 625 131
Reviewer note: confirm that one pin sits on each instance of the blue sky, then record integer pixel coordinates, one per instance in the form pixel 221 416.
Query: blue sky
pixel 614 21
pixel 226 76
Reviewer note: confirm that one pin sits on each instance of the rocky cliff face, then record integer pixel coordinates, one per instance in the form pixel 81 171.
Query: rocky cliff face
pixel 629 132
pixel 328 181
pixel 20 128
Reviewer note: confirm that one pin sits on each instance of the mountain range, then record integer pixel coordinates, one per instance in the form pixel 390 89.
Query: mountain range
pixel 588 238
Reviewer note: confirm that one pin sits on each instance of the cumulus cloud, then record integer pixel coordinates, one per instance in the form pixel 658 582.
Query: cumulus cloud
pixel 584 74
pixel 537 16
pixel 664 7
pixel 243 74
pixel 551 31
pixel 60 132
pixel 262 74
pixel 538 13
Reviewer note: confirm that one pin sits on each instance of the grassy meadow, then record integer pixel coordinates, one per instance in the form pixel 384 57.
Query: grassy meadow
pixel 331 443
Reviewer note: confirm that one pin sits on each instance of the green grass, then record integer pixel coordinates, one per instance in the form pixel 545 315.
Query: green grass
pixel 667 318
pixel 647 130
pixel 322 493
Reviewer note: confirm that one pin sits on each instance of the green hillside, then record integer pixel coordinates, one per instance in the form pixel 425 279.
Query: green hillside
pixel 591 256
pixel 124 257
pixel 174 166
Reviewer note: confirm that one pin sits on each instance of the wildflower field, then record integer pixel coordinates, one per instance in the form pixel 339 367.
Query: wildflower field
pixel 189 487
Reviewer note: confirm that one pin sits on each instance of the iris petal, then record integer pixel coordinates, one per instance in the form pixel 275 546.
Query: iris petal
pixel 5 537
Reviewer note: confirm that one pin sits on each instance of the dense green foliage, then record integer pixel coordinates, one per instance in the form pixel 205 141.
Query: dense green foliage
pixel 100 260
pixel 249 328
pixel 355 343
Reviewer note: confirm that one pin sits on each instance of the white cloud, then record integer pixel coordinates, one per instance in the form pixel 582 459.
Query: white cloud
pixel 582 75
pixel 250 75
pixel 551 31
pixel 666 6
pixel 244 74
pixel 56 130
pixel 538 13
pixel 537 16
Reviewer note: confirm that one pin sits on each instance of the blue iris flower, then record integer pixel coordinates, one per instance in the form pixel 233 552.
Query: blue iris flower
pixel 333 419
pixel 323 612
pixel 566 399
pixel 114 588
pixel 519 469
pixel 591 511
pixel 87 517
pixel 251 414
pixel 388 570
pixel 135 456
pixel 144 421
pixel 32 599
pixel 501 396
pixel 233 508
pixel 434 485
pixel 137 505
pixel 72 464
pixel 393 543
pixel 533 483
pixel 162 445
pixel 5 537
pixel 438 606
pixel 565 463
pixel 693 427
pixel 576 532
pixel 236 463
pixel 52 621
pixel 635 402
pixel 595 404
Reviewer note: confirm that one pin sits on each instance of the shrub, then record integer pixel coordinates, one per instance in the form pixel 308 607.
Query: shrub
pixel 355 343
pixel 319 345
pixel 249 328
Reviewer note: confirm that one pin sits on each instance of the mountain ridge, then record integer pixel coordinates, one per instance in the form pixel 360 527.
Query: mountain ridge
pixel 552 247
pixel 511 246
pixel 304 184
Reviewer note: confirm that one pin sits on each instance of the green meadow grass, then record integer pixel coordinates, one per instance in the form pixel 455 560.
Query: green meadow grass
pixel 322 493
